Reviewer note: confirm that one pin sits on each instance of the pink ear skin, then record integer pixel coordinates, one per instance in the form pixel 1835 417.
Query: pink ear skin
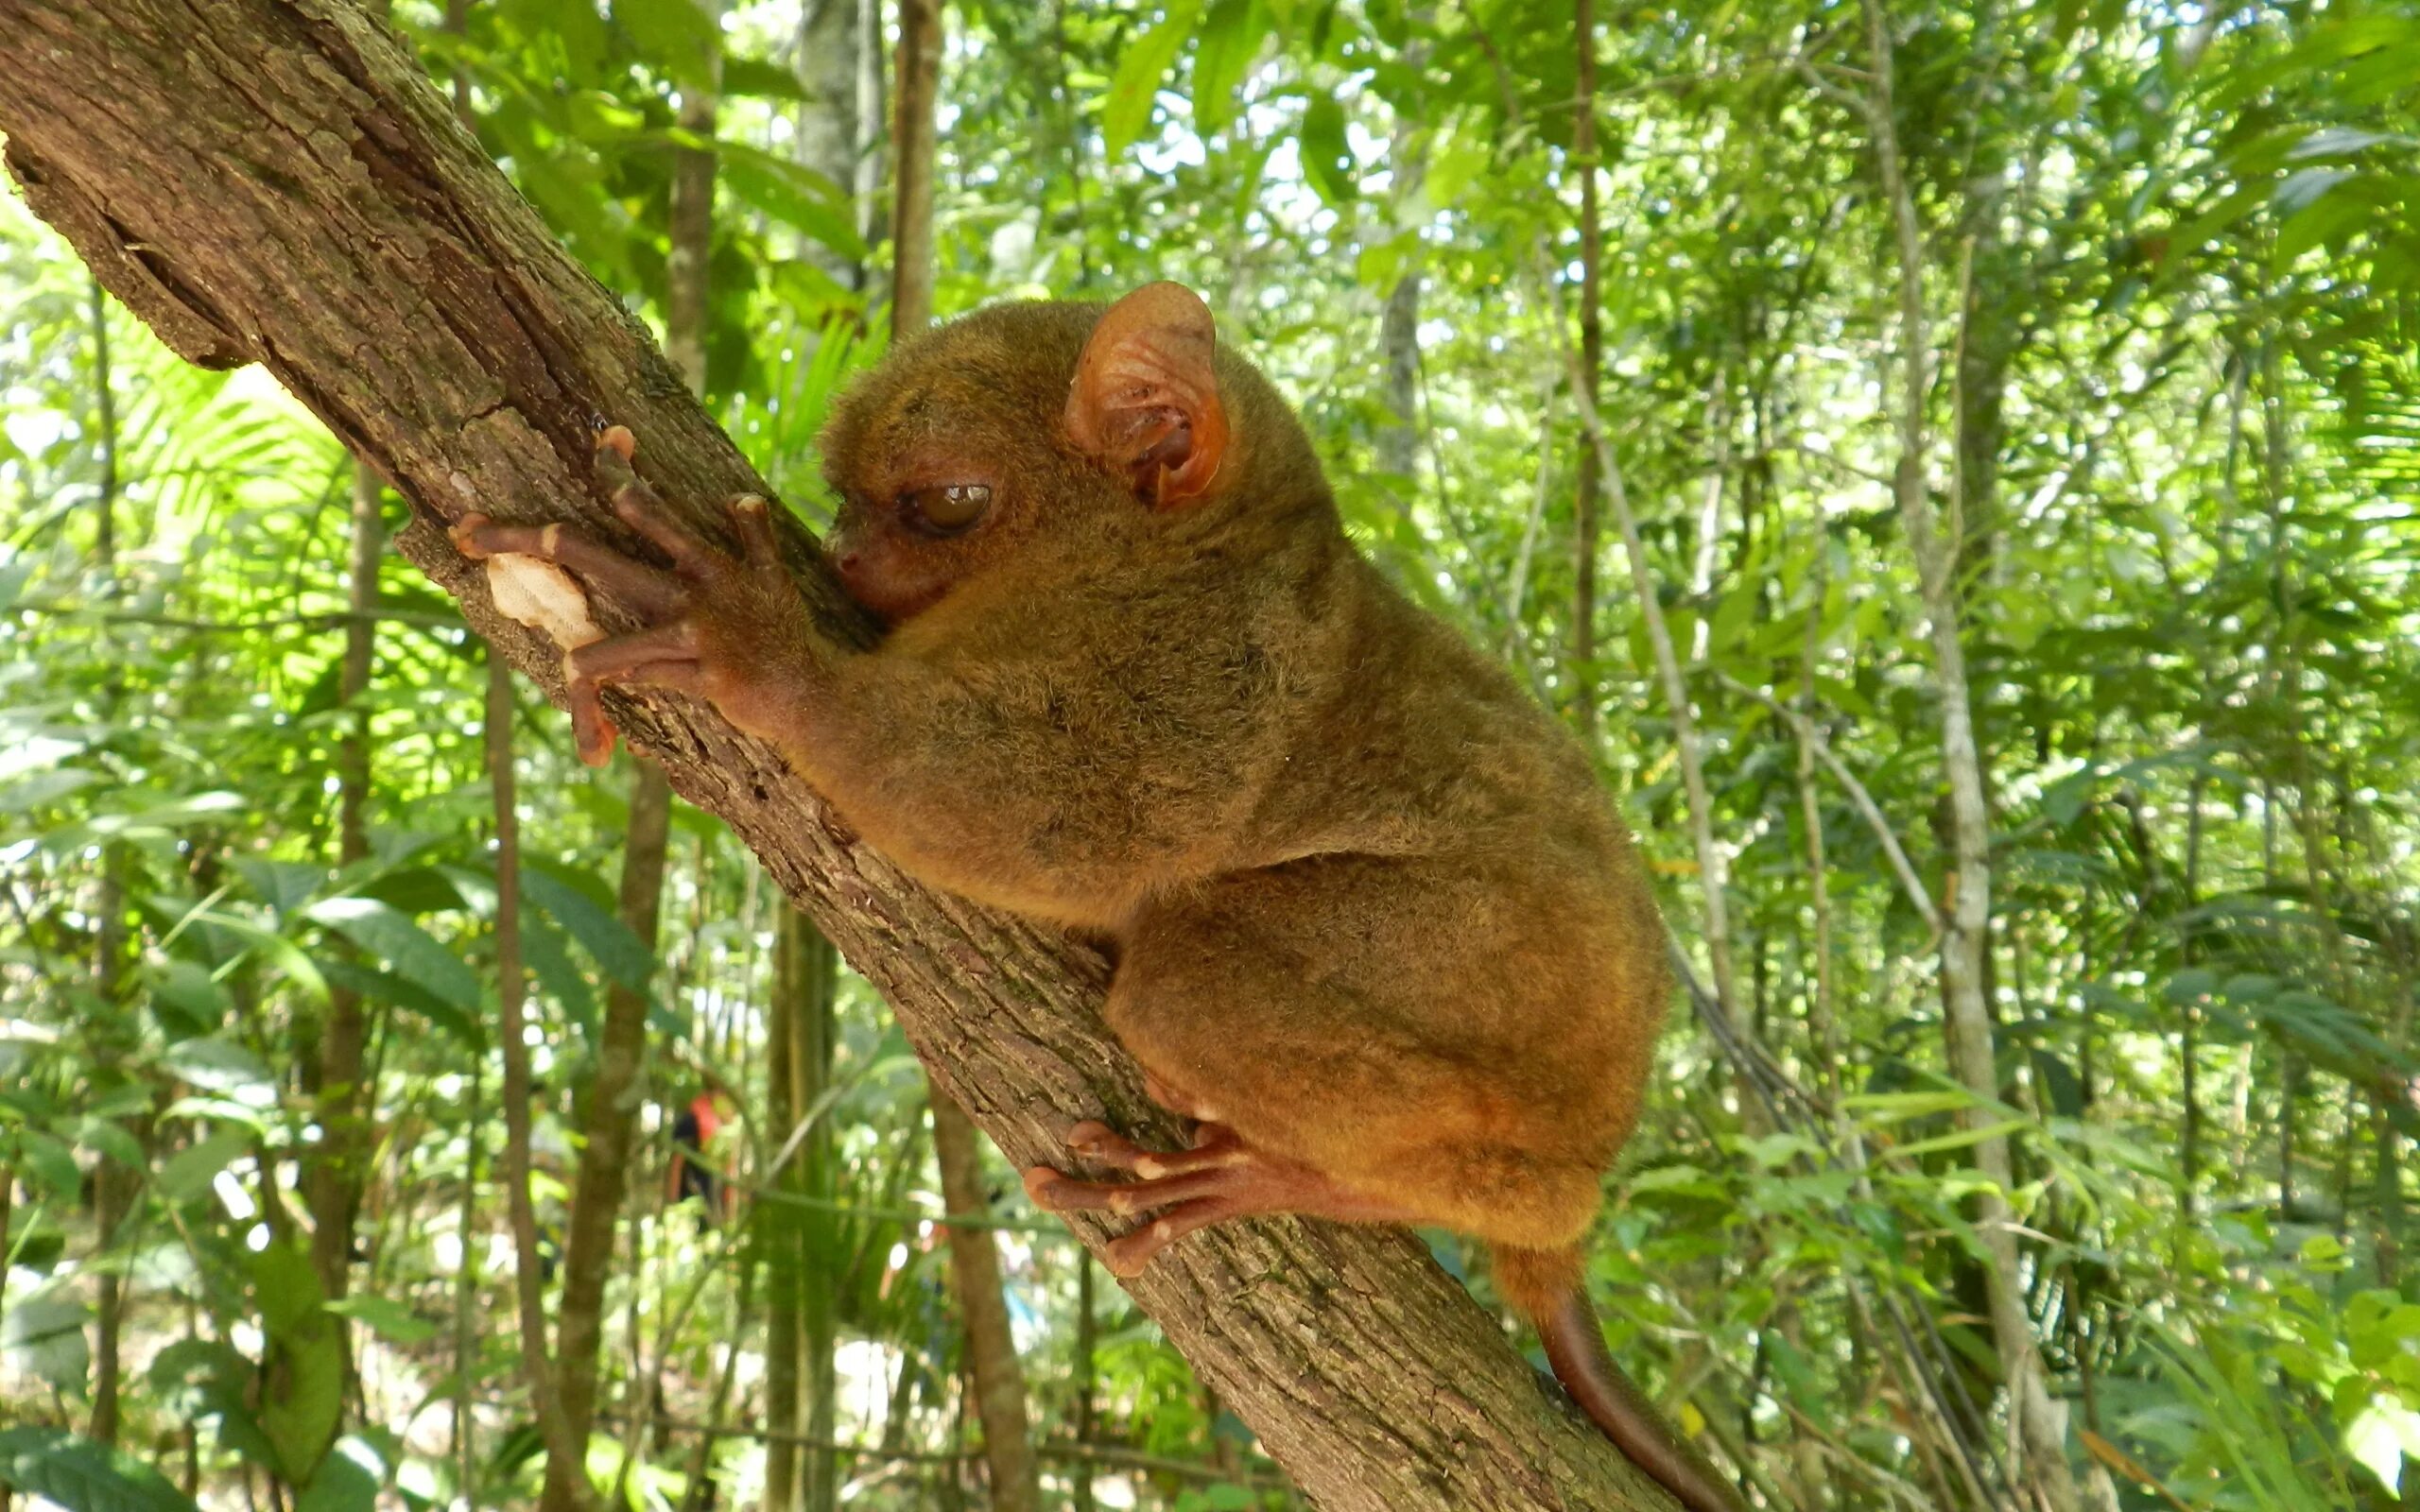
pixel 1146 397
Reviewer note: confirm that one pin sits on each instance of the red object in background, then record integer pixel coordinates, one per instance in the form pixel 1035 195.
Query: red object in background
pixel 693 1133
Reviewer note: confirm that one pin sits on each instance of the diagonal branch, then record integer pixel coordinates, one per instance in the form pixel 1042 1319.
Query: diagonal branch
pixel 275 181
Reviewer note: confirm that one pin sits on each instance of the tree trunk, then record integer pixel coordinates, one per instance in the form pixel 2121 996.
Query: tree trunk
pixel 466 1298
pixel 603 1178
pixel 333 1190
pixel 800 1245
pixel 914 97
pixel 991 1352
pixel 1586 529
pixel 275 181
pixel 116 1189
pixel 828 67
pixel 520 1095
pixel 2037 1426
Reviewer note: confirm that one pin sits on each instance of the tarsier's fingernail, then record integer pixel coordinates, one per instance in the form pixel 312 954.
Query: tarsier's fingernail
pixel 618 440
pixel 461 535
pixel 749 504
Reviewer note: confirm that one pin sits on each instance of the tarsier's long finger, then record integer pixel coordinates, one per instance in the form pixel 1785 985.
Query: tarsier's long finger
pixel 593 729
pixel 1060 1193
pixel 756 520
pixel 1214 1146
pixel 649 590
pixel 644 510
pixel 663 657
pixel 1129 1255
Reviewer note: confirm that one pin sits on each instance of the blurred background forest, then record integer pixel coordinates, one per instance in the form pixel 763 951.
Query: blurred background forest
pixel 1956 465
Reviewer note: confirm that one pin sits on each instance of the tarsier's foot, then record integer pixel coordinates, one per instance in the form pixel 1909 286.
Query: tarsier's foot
pixel 716 624
pixel 1220 1177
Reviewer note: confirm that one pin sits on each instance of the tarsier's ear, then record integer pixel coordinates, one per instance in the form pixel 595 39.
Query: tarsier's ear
pixel 1146 397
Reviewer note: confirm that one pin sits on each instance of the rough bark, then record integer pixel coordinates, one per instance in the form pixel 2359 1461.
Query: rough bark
pixel 274 180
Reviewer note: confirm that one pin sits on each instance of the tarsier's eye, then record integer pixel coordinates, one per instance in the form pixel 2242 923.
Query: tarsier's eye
pixel 946 510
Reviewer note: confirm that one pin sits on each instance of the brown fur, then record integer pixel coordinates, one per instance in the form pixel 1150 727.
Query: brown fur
pixel 1372 913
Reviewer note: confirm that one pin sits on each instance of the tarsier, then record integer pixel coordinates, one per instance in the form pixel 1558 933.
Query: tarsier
pixel 1377 928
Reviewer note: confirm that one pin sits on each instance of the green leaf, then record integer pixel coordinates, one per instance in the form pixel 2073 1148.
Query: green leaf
pixel 765 80
pixel 2379 1439
pixel 409 950
pixel 1958 1138
pixel 219 1065
pixel 676 37
pixel 43 1337
pixel 187 1175
pixel 387 1317
pixel 793 194
pixel 621 954
pixel 386 986
pixel 549 955
pixel 50 1160
pixel 81 1475
pixel 108 1139
pixel 1137 83
pixel 305 1400
pixel 1231 38
pixel 346 1480
pixel 1327 157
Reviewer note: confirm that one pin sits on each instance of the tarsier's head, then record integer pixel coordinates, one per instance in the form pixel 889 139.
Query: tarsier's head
pixel 1023 427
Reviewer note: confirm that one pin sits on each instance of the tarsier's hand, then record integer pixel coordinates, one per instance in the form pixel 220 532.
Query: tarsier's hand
pixel 729 630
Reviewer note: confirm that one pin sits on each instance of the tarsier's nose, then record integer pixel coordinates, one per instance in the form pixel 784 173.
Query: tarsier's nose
pixel 849 561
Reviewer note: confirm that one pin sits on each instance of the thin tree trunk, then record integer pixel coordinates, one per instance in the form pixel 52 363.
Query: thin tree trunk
pixel 466 1298
pixel 114 1187
pixel 915 96
pixel 1587 387
pixel 871 112
pixel 798 1236
pixel 141 123
pixel 1087 1345
pixel 2037 1424
pixel 817 1028
pixel 778 1236
pixel 691 216
pixel 333 1189
pixel 603 1178
pixel 1398 442
pixel 2190 1048
pixel 520 1096
pixel 991 1352
pixel 827 119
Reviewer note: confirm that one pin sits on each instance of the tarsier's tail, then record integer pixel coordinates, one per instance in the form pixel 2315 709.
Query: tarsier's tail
pixel 1546 1286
